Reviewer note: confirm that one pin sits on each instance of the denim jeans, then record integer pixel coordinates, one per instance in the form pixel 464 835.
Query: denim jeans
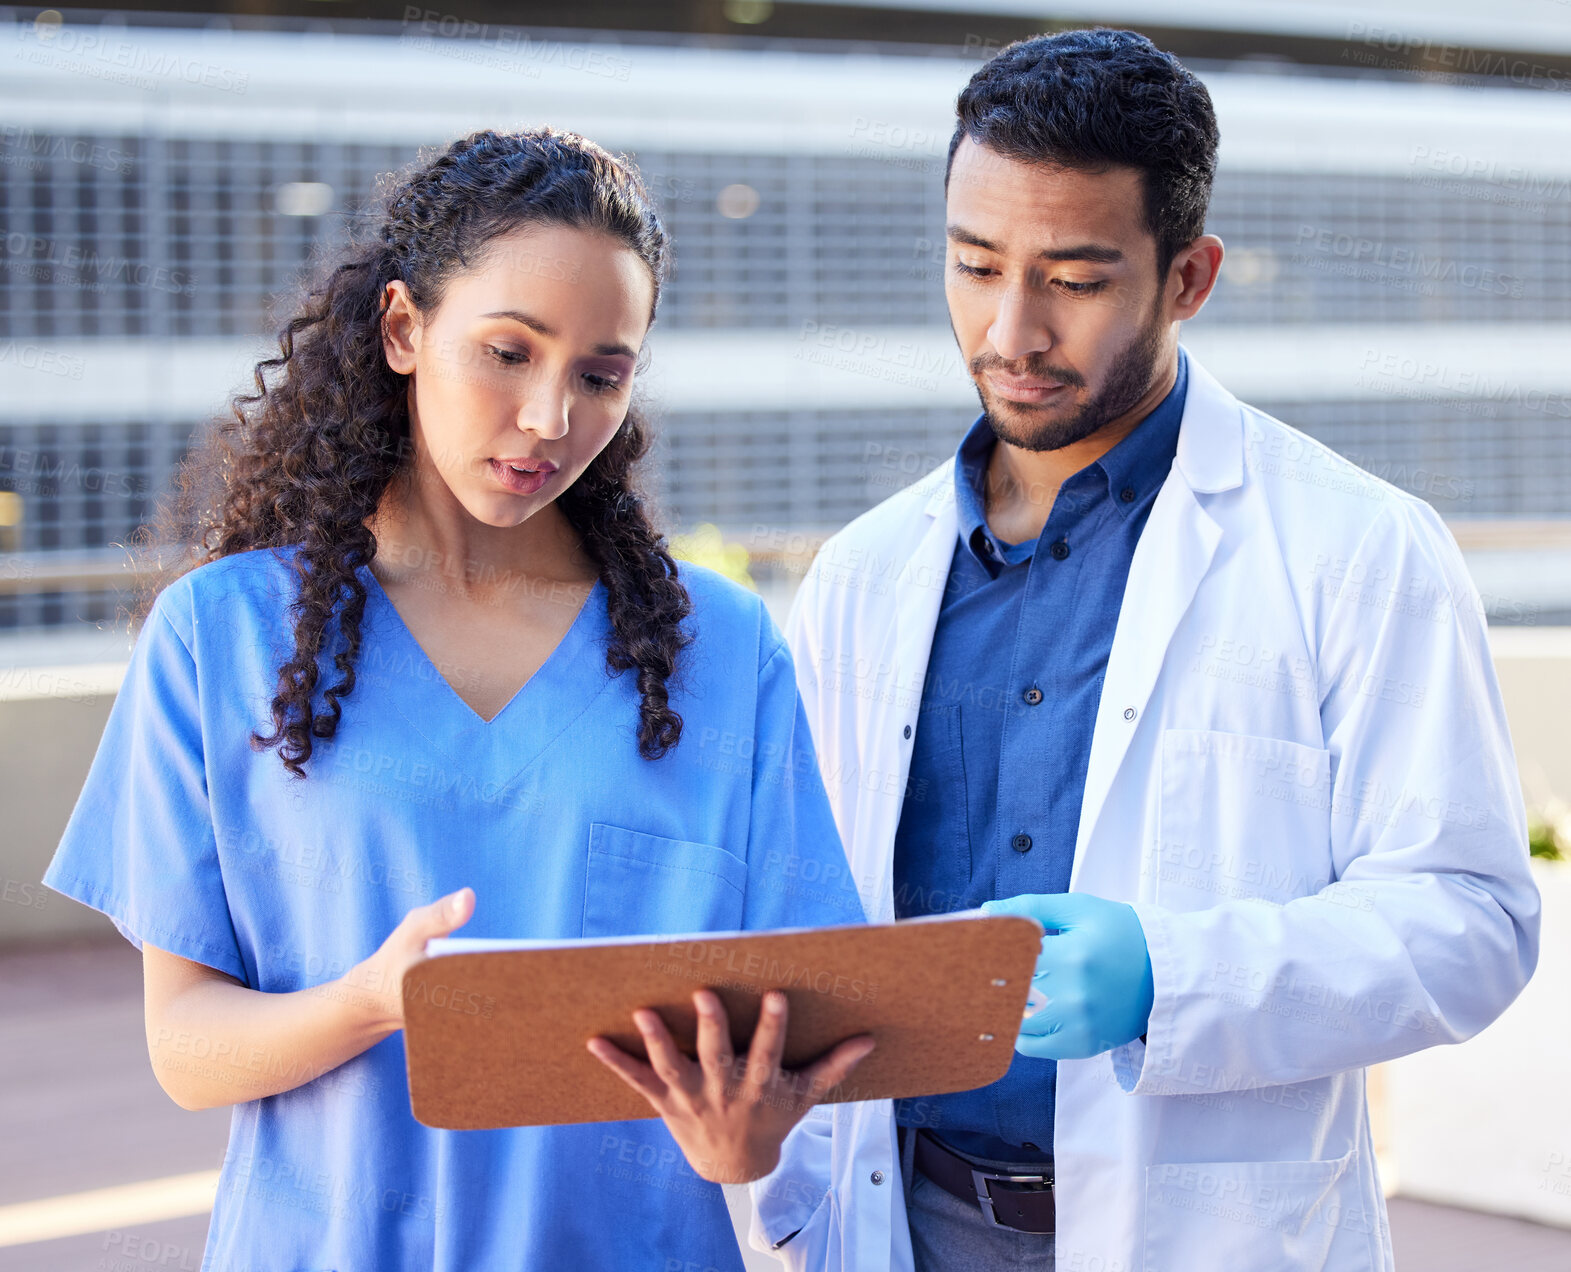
pixel 949 1234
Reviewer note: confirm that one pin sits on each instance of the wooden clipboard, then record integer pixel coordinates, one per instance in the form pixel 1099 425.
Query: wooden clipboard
pixel 496 1038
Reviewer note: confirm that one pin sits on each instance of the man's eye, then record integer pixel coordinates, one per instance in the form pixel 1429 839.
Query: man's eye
pixel 1080 289
pixel 972 271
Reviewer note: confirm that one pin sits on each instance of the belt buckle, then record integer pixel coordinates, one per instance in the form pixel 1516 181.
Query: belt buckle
pixel 984 1198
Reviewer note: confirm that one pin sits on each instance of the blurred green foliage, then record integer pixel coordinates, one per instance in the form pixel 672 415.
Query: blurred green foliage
pixel 1549 830
pixel 704 545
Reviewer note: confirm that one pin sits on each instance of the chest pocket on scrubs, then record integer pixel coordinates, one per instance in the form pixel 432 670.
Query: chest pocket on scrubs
pixel 637 884
pixel 1240 817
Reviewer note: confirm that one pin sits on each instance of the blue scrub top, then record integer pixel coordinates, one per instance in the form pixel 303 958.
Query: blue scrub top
pixel 189 839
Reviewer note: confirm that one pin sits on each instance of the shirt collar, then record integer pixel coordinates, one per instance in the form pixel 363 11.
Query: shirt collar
pixel 970 472
pixel 1138 464
pixel 1142 461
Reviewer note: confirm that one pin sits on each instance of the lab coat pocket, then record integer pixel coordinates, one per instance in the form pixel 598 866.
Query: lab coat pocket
pixel 640 884
pixel 1239 817
pixel 1248 1215
pixel 812 1246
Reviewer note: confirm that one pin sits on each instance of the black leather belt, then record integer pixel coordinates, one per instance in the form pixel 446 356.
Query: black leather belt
pixel 1021 1202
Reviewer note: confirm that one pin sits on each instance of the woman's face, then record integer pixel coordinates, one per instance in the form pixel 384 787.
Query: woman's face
pixel 522 373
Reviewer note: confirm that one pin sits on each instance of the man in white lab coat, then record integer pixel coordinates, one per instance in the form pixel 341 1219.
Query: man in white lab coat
pixel 1211 703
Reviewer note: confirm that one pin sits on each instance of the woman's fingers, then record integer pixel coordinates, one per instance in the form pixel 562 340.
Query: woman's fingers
pixel 674 1069
pixel 714 1035
pixel 632 1071
pixel 384 972
pixel 814 1082
pixel 453 910
pixel 763 1055
pixel 439 918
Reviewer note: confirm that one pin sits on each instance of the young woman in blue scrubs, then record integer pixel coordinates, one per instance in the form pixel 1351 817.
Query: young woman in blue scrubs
pixel 435 669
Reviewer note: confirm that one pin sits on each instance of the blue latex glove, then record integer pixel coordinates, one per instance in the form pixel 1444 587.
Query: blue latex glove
pixel 1095 971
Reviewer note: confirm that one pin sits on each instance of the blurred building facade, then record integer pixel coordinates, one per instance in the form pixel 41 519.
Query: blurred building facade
pixel 1398 278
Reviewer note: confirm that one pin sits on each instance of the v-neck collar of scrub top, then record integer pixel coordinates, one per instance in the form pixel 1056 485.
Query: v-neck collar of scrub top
pixel 572 676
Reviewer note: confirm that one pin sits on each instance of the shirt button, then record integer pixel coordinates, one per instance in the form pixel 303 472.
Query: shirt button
pixel 1033 695
pixel 1021 843
pixel 1060 550
pixel 878 1176
pixel 1129 713
pixel 1127 494
pixel 906 732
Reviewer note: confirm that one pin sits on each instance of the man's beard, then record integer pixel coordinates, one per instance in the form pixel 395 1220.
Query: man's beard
pixel 1127 383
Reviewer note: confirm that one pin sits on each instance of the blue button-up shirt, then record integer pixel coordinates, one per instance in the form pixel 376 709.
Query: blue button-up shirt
pixel 1004 733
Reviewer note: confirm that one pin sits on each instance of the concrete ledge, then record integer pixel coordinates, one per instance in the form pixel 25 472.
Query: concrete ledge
pixel 47 742
pixel 52 716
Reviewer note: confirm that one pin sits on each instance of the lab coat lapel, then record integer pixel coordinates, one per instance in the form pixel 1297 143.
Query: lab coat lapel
pixel 918 596
pixel 1172 557
pixel 919 587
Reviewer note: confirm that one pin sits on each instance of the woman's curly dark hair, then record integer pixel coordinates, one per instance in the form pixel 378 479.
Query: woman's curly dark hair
pixel 307 457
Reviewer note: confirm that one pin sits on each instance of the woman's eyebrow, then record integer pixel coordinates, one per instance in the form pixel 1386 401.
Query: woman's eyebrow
pixel 549 332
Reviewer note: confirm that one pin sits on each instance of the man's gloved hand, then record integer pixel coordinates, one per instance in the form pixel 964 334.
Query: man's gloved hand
pixel 1095 972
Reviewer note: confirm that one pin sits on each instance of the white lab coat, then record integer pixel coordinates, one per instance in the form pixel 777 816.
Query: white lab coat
pixel 1301 779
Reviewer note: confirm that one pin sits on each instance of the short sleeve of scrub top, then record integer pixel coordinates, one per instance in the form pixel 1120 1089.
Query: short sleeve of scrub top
pixel 151 861
pixel 189 839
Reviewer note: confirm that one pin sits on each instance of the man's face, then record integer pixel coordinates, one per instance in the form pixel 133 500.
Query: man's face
pixel 1053 294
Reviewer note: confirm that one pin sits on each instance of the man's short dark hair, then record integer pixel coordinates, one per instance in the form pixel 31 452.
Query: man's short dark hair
pixel 1088 100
